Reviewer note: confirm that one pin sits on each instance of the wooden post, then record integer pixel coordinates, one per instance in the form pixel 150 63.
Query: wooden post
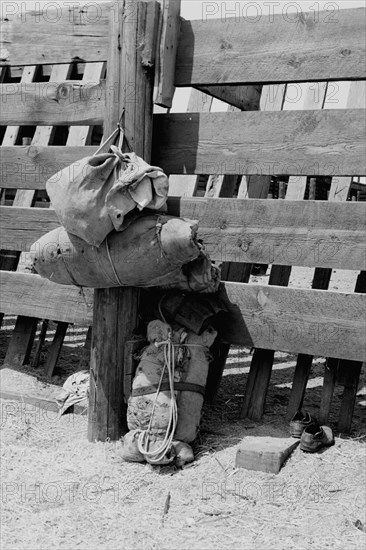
pixel 312 189
pixel 282 190
pixel 130 81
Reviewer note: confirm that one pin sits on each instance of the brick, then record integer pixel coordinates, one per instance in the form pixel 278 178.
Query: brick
pixel 265 454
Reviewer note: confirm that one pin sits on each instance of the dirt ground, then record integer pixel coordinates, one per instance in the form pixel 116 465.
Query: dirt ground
pixel 58 491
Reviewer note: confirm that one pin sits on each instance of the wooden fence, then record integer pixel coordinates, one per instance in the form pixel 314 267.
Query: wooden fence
pixel 53 77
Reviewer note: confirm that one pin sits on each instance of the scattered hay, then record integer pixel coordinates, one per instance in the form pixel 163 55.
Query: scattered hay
pixel 60 491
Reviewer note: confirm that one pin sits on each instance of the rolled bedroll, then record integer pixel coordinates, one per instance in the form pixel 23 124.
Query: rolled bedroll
pixel 154 250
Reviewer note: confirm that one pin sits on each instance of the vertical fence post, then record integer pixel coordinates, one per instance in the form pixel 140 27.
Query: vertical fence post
pixel 130 82
pixel 312 189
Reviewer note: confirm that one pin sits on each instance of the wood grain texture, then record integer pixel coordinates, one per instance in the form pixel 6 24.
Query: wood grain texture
pixel 281 232
pixel 52 103
pixel 323 142
pixel 60 33
pixel 245 98
pixel 21 341
pixel 165 66
pixel 254 230
pixel 131 66
pixel 278 49
pixel 314 322
pixel 300 143
pixel 289 50
pixel 30 167
pixel 55 348
pixel 300 321
pixel 20 295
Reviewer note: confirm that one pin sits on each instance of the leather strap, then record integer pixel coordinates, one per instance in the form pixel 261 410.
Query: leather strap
pixel 178 386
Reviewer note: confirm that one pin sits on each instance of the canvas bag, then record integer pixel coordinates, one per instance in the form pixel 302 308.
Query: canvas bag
pixel 92 196
pixel 154 250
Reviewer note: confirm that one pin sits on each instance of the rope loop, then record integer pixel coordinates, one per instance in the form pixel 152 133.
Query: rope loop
pixel 157 455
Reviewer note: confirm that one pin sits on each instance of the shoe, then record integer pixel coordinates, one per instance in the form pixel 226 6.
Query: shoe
pixel 259 269
pixel 299 422
pixel 315 437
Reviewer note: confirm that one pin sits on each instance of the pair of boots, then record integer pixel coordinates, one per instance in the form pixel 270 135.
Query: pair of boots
pixel 312 436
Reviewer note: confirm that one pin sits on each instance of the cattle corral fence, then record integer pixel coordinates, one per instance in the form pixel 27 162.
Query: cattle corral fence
pixel 66 82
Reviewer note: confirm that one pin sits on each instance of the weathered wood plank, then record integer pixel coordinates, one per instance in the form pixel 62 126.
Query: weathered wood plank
pixel 253 230
pixel 332 144
pixel 352 376
pixel 20 227
pixel 40 343
pixel 20 294
pixel 55 103
pixel 165 63
pixel 55 348
pixel 322 142
pixel 350 370
pixel 21 341
pixel 330 376
pixel 66 34
pixel 30 167
pixel 230 226
pixel 314 48
pixel 245 98
pixel 314 322
pixel 300 380
pixel 291 48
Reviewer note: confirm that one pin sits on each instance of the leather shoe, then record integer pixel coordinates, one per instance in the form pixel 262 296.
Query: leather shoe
pixel 315 437
pixel 299 422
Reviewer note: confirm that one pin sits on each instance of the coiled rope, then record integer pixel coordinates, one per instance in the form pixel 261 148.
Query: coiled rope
pixel 143 442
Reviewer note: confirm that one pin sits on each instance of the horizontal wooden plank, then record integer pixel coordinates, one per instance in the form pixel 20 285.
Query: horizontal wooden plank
pixel 287 47
pixel 300 321
pixel 326 45
pixel 315 322
pixel 320 142
pixel 328 142
pixel 30 167
pixel 309 233
pixel 21 227
pixel 55 103
pixel 32 296
pixel 56 33
pixel 306 233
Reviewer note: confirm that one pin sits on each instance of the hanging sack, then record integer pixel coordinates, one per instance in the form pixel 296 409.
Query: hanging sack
pixel 152 251
pixel 92 196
